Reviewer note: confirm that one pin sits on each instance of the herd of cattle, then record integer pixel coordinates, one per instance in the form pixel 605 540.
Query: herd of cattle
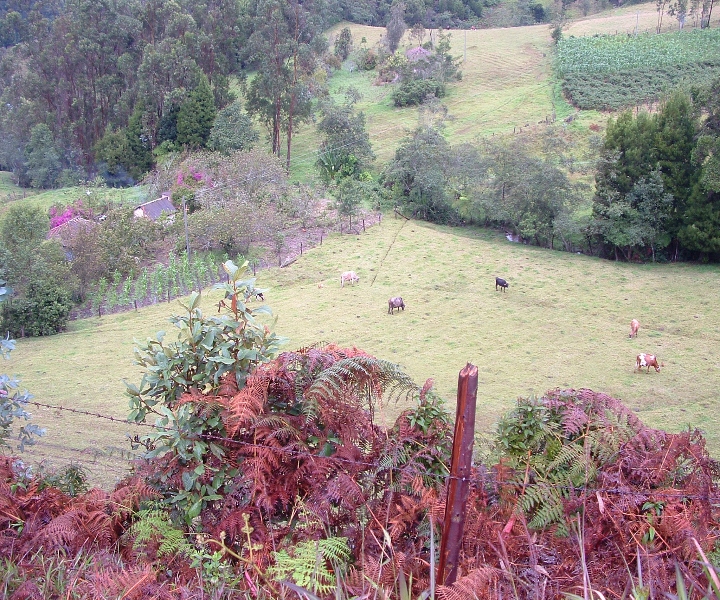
pixel 643 359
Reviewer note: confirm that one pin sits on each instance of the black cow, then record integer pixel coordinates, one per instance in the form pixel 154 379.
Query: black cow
pixel 500 282
pixel 394 303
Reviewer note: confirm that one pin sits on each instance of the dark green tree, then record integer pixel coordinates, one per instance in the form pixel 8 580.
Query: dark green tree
pixel 284 48
pixel 628 153
pixel 113 153
pixel 523 192
pixel 700 231
pixel 233 130
pixel 634 224
pixel 22 232
pixel 346 150
pixel 42 159
pixel 420 174
pixel 343 44
pixel 395 28
pixel 677 128
pixel 196 116
pixel 628 156
pixel 140 158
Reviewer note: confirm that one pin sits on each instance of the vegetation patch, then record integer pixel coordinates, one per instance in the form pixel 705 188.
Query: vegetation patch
pixel 609 72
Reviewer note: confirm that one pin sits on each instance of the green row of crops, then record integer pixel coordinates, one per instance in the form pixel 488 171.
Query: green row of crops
pixel 602 54
pixel 611 72
pixel 161 284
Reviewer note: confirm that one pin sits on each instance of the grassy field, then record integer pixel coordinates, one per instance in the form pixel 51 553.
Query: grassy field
pixel 564 322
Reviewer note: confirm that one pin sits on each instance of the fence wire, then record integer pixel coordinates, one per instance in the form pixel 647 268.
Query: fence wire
pixel 117 462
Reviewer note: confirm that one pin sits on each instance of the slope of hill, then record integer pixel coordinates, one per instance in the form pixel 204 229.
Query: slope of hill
pixel 564 322
pixel 507 85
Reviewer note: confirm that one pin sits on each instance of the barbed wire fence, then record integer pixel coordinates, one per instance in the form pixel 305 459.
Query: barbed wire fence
pixel 110 463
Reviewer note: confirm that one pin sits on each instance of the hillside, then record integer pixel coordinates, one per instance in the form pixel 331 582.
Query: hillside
pixel 577 306
pixel 507 85
pixel 564 322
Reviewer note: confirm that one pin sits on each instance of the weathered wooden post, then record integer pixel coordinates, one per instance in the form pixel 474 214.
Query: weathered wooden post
pixel 459 484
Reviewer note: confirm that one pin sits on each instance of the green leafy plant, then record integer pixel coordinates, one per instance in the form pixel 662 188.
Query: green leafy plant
pixel 71 479
pixel 177 376
pixel 13 403
pixel 310 564
pixel 554 447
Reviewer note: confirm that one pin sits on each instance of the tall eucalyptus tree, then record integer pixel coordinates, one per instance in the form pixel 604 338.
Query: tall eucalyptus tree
pixel 284 47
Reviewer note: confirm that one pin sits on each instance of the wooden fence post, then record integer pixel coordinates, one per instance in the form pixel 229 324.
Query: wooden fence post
pixel 459 483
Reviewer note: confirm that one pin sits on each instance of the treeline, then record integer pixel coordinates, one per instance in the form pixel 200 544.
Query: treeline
pixel 657 188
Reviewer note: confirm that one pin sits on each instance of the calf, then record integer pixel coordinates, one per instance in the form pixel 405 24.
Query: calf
pixel 647 360
pixel 500 282
pixel 350 276
pixel 394 303
pixel 634 326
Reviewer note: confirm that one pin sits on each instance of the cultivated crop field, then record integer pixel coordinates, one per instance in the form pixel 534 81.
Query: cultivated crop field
pixel 563 322
pixel 609 72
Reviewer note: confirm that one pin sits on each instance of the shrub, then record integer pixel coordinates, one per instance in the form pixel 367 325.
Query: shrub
pixel 207 348
pixel 44 310
pixel 414 91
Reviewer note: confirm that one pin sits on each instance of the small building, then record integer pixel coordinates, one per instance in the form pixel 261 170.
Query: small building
pixel 154 209
pixel 68 232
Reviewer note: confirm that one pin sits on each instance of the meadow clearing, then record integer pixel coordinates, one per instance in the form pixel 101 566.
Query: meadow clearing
pixel 564 322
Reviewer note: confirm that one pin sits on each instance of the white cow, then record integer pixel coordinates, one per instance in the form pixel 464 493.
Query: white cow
pixel 350 276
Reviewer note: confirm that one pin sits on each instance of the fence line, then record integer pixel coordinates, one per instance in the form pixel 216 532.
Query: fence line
pixel 480 479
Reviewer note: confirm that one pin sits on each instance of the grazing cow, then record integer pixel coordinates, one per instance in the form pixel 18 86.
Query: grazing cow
pixel 634 326
pixel 350 276
pixel 394 303
pixel 500 282
pixel 647 360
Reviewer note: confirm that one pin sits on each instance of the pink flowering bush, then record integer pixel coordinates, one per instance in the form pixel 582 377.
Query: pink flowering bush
pixel 59 215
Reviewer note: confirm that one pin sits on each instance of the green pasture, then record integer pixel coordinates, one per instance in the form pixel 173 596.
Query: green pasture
pixel 506 86
pixel 563 322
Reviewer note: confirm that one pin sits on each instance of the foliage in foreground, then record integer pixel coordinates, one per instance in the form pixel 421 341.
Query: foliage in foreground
pixel 331 502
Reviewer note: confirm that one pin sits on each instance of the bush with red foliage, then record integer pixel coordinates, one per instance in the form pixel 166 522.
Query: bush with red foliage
pixel 303 436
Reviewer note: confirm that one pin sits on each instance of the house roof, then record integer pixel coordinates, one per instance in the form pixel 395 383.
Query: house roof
pixel 69 229
pixel 155 208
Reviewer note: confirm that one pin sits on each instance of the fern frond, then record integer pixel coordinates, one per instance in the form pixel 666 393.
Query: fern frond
pixel 370 379
pixel 153 525
pixel 479 583
pixel 549 510
pixel 310 565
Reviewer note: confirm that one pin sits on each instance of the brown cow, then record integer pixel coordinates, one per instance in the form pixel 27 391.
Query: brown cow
pixel 394 303
pixel 647 360
pixel 634 326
